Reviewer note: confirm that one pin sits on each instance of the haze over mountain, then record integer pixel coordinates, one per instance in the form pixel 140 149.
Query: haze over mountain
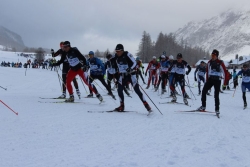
pixel 11 39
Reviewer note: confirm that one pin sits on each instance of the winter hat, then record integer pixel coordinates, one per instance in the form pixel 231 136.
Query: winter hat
pixel 66 43
pixel 245 65
pixel 91 53
pixel 171 57
pixel 119 47
pixel 153 57
pixel 215 52
pixel 179 55
pixel 163 56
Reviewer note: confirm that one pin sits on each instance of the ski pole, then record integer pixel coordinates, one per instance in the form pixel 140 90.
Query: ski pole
pixel 8 107
pixel 3 88
pixel 59 79
pixel 190 88
pixel 84 86
pixel 150 99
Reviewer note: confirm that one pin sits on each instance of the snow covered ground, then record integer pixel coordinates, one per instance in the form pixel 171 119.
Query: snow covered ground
pixel 59 134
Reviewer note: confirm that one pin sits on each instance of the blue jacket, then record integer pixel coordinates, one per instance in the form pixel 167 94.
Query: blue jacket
pixel 96 66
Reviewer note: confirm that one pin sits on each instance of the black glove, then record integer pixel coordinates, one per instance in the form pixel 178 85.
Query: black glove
pixel 128 70
pixel 195 79
pixel 142 71
pixel 145 73
pixel 187 72
pixel 84 68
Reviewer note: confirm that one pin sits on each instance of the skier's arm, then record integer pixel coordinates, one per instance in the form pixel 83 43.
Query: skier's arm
pixel 189 69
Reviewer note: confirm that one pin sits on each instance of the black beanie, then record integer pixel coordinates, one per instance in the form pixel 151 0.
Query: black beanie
pixel 215 52
pixel 119 47
pixel 66 43
pixel 179 55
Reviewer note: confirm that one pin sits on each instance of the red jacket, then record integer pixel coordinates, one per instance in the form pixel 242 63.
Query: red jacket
pixel 153 65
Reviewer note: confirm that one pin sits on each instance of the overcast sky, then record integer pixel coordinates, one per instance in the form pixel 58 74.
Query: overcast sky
pixel 101 24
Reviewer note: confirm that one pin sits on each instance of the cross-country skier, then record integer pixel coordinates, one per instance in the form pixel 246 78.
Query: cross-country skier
pixel 245 73
pixel 200 71
pixel 235 79
pixel 163 71
pixel 139 69
pixel 179 66
pixel 215 69
pixel 153 66
pixel 110 66
pixel 127 65
pixel 97 71
pixel 76 62
pixel 112 72
pixel 65 69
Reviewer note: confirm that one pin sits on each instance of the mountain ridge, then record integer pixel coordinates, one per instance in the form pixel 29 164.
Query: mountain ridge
pixel 228 32
pixel 11 39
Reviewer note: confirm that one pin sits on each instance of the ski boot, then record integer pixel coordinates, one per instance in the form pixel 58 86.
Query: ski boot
pixel 174 99
pixel 147 87
pixel 245 105
pixel 78 93
pixel 90 95
pixel 163 91
pixel 217 112
pixel 201 109
pixel 70 99
pixel 147 106
pixel 144 82
pixel 99 97
pixel 156 88
pixel 120 108
pixel 63 96
pixel 199 93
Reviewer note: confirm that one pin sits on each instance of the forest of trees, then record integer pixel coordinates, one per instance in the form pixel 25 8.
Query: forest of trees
pixel 166 43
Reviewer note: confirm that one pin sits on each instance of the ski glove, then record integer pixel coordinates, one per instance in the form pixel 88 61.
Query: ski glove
pixel 145 73
pixel 128 70
pixel 187 72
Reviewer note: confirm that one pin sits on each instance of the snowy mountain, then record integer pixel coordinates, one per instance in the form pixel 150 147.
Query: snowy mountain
pixel 228 32
pixel 10 39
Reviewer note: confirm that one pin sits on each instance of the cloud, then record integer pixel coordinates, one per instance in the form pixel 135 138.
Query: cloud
pixel 95 24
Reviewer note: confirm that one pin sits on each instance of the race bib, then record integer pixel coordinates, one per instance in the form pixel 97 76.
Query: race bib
pixel 73 62
pixel 93 67
pixel 122 68
pixel 180 71
pixel 111 70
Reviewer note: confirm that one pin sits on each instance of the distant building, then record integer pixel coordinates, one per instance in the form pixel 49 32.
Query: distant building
pixel 238 63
